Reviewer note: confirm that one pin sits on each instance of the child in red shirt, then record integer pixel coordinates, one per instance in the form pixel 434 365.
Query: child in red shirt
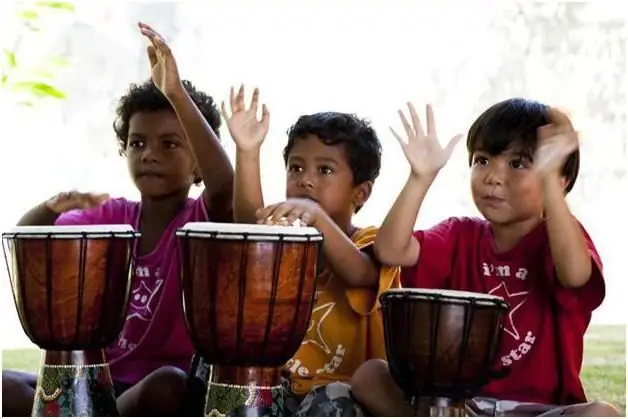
pixel 528 249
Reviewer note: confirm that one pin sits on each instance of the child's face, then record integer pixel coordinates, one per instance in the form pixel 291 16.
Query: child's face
pixel 158 155
pixel 505 188
pixel 322 173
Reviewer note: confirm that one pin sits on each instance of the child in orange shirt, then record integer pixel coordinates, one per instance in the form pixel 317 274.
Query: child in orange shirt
pixel 332 161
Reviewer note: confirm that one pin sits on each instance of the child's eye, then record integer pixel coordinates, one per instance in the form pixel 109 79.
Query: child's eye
pixel 519 164
pixel 170 144
pixel 480 161
pixel 294 168
pixel 326 170
pixel 136 144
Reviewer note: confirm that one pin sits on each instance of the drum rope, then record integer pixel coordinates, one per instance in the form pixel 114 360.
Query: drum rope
pixel 49 258
pixel 273 295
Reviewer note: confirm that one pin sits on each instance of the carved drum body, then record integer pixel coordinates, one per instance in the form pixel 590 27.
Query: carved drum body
pixel 248 292
pixel 71 288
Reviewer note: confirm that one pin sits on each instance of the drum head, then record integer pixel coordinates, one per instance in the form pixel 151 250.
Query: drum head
pixel 226 231
pixel 71 231
pixel 443 295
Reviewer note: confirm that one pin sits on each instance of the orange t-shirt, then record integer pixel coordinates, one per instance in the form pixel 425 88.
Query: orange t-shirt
pixel 345 329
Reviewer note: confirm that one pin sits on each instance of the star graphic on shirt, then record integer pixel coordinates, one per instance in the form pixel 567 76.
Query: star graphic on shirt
pixel 515 300
pixel 319 314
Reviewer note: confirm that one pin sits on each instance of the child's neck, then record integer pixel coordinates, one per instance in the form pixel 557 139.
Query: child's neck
pixel 507 236
pixel 155 217
pixel 161 209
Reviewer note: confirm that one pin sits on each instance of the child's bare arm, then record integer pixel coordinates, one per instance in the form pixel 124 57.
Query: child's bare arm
pixel 211 159
pixel 48 211
pixel 247 187
pixel 395 243
pixel 248 133
pixel 568 246
pixel 342 257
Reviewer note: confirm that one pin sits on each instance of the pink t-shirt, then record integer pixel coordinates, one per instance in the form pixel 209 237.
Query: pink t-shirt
pixel 154 333
pixel 459 254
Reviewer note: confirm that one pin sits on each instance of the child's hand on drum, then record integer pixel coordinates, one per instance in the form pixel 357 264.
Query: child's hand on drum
pixel 423 150
pixel 246 130
pixel 163 66
pixel 296 211
pixel 67 201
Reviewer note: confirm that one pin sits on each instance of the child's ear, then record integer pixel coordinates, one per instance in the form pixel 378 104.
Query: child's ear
pixel 563 183
pixel 361 193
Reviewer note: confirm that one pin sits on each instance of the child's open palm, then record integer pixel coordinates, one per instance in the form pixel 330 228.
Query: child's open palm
pixel 246 130
pixel 162 63
pixel 73 200
pixel 556 141
pixel 423 151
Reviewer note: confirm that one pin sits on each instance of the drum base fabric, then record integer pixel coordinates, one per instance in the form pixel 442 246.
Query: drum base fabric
pixel 244 401
pixel 74 391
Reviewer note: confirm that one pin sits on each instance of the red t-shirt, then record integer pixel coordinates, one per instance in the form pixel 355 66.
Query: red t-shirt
pixel 459 254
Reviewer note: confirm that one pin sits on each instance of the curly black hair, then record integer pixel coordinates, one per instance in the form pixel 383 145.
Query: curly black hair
pixel 362 146
pixel 513 123
pixel 146 97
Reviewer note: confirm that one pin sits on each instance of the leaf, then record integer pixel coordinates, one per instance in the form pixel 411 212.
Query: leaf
pixel 28 14
pixel 57 61
pixel 39 89
pixel 59 5
pixel 3 80
pixel 10 56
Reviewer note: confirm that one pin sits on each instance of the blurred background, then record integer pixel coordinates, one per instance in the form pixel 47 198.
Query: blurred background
pixel 64 64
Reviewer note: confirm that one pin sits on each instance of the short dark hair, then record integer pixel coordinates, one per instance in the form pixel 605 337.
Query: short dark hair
pixel 361 144
pixel 146 97
pixel 514 123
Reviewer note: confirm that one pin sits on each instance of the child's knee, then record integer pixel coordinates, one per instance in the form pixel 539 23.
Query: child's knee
pixel 160 393
pixel 372 373
pixel 167 385
pixel 17 394
pixel 598 409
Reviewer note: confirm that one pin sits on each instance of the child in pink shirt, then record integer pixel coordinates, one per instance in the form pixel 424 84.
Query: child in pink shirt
pixel 167 130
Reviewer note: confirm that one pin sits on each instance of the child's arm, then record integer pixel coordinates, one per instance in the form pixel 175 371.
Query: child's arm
pixel 342 257
pixel 49 211
pixel 211 159
pixel 395 243
pixel 248 133
pixel 568 246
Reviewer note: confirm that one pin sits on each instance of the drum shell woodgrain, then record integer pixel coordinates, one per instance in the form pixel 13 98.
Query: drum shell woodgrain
pixel 71 293
pixel 441 347
pixel 248 302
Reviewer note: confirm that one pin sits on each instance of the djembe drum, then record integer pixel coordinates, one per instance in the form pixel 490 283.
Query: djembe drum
pixel 441 345
pixel 71 287
pixel 248 293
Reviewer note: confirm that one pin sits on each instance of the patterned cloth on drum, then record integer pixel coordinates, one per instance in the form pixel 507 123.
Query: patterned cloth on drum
pixel 331 400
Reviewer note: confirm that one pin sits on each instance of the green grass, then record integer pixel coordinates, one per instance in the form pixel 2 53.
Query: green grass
pixel 603 373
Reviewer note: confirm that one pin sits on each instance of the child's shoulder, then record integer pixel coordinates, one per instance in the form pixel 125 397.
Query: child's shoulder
pixel 458 224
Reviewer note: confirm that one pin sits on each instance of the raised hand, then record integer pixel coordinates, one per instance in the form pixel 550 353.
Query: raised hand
pixel 67 201
pixel 423 151
pixel 246 130
pixel 163 66
pixel 556 141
